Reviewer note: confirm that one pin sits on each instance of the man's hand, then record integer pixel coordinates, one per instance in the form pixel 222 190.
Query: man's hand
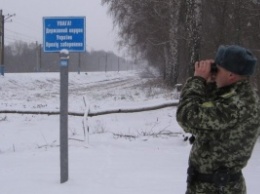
pixel 202 68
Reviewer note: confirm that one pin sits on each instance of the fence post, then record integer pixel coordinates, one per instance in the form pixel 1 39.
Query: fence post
pixel 85 122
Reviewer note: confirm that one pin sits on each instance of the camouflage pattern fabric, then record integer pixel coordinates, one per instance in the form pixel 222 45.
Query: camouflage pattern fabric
pixel 206 188
pixel 225 124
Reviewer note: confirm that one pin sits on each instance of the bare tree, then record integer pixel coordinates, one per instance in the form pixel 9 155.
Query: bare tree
pixel 149 27
pixel 193 26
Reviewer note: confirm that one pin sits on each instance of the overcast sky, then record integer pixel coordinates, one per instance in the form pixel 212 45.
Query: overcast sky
pixel 27 24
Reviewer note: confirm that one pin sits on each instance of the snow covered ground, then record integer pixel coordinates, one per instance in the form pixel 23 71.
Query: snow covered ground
pixel 140 153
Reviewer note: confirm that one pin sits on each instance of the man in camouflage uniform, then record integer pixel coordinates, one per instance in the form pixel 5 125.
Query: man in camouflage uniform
pixel 225 124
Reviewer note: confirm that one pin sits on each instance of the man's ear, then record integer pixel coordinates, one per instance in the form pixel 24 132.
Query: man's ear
pixel 232 76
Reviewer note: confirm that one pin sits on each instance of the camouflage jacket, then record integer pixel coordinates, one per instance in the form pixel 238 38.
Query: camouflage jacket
pixel 226 124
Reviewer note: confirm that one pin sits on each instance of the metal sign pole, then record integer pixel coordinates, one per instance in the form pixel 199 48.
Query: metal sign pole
pixel 64 159
pixel 64 35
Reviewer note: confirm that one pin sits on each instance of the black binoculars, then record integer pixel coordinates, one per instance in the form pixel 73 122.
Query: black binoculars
pixel 213 68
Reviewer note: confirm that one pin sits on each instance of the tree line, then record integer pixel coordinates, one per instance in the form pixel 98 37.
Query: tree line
pixel 29 57
pixel 172 34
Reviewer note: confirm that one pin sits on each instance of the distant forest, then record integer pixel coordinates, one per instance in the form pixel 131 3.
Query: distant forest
pixel 24 57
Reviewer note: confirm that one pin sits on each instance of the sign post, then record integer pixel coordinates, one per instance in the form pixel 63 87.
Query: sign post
pixel 64 79
pixel 64 35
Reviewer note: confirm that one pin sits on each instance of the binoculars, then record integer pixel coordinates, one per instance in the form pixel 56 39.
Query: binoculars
pixel 213 68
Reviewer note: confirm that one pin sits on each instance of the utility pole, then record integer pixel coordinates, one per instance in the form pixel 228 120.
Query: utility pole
pixel 1 42
pixel 118 64
pixel 106 64
pixel 79 63
pixel 38 56
pixel 2 39
pixel 99 69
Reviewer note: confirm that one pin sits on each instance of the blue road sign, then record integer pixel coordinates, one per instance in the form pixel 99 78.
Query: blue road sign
pixel 64 33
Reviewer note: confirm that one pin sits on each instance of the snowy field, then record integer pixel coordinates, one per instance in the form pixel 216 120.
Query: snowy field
pixel 127 153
